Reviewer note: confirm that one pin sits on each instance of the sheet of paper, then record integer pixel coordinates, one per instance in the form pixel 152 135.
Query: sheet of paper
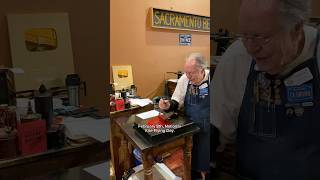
pixel 100 171
pixel 95 128
pixel 148 114
pixel 140 102
pixel 166 172
pixel 173 80
pixel 17 70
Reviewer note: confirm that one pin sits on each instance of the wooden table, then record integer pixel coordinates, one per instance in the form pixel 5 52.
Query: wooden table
pixel 130 139
pixel 115 134
pixel 54 160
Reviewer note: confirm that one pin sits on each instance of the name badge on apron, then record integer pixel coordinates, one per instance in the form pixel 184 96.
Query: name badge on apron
pixel 203 90
pixel 300 94
pixel 299 77
pixel 204 85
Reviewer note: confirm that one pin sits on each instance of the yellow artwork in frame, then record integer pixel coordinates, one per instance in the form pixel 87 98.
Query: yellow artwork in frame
pixel 122 77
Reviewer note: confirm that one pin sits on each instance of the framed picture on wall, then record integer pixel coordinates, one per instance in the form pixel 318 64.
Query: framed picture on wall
pixel 41 46
pixel 185 39
pixel 122 77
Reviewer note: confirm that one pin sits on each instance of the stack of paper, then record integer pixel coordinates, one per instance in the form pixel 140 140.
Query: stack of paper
pixel 166 172
pixel 148 114
pixel 95 128
pixel 159 172
pixel 140 102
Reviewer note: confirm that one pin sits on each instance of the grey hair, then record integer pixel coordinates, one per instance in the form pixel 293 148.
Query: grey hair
pixel 294 12
pixel 199 59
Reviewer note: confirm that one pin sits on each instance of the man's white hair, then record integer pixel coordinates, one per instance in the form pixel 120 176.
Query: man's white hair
pixel 294 12
pixel 198 58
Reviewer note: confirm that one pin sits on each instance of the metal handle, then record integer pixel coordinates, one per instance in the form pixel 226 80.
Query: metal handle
pixel 84 87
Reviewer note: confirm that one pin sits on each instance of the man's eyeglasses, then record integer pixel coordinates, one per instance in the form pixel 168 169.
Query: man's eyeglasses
pixel 257 39
pixel 191 73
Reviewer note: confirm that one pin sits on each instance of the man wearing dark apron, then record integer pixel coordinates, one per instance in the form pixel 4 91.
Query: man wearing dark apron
pixel 280 131
pixel 270 101
pixel 192 92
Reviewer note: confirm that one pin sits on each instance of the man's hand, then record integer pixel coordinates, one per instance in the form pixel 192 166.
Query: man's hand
pixel 164 104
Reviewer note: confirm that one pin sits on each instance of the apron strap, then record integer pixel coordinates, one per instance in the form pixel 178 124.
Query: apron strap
pixel 315 53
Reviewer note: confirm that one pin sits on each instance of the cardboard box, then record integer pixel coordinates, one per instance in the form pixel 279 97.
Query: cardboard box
pixel 32 137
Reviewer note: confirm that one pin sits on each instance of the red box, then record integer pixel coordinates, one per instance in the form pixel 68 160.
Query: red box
pixel 119 104
pixel 32 137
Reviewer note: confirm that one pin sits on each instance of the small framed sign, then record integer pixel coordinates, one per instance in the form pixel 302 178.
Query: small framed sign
pixel 185 39
pixel 122 76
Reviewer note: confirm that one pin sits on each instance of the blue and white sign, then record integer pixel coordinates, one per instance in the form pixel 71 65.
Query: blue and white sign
pixel 185 39
pixel 300 94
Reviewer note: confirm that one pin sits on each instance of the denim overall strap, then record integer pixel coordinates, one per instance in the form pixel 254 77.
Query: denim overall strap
pixel 197 107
